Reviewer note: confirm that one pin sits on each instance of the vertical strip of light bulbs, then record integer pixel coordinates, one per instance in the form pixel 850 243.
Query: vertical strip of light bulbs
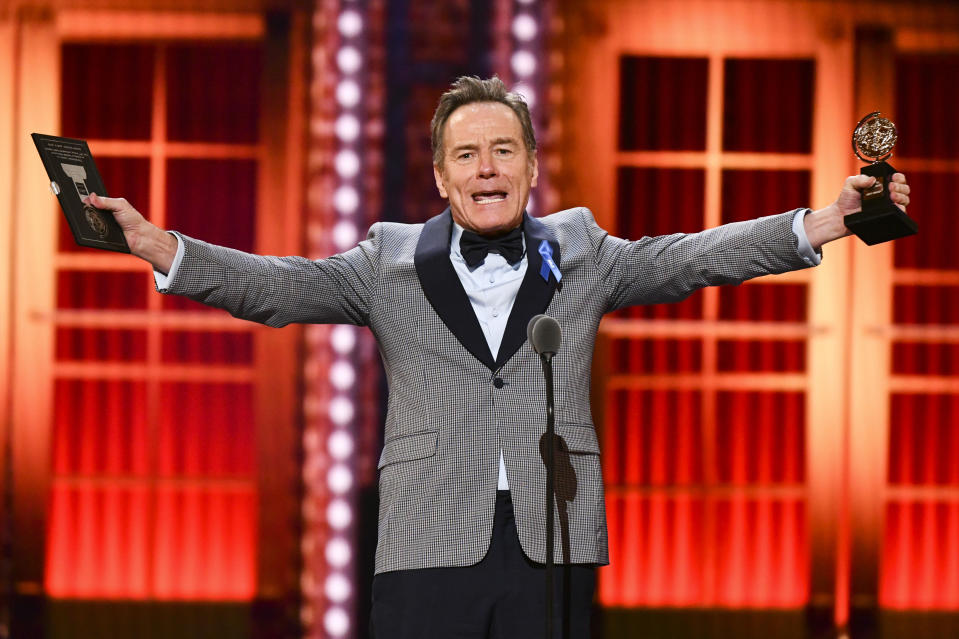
pixel 335 218
pixel 528 66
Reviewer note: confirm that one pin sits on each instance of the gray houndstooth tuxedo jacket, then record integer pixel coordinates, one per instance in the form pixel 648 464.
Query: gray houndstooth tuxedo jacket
pixel 452 407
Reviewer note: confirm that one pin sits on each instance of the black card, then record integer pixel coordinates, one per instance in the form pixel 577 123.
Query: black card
pixel 73 175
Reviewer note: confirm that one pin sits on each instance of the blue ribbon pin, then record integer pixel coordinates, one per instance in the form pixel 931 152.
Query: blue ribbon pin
pixel 548 264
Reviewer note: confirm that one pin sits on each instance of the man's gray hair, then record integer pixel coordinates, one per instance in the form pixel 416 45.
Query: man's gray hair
pixel 469 89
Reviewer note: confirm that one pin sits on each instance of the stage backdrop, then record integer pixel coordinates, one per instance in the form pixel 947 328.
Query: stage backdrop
pixel 780 457
pixel 777 455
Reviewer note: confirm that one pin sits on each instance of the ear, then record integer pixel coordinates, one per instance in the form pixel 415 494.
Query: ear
pixel 438 176
pixel 532 182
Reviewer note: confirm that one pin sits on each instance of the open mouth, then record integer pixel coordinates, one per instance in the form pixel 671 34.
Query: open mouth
pixel 489 197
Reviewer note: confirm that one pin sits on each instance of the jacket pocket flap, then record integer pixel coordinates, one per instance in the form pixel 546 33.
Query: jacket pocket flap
pixel 579 439
pixel 408 448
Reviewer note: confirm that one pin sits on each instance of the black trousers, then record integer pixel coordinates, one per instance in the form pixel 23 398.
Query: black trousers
pixel 501 597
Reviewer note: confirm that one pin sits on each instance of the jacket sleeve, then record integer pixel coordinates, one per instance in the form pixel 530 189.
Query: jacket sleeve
pixel 277 291
pixel 668 268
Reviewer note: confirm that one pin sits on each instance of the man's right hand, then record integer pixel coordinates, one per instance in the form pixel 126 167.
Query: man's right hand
pixel 147 241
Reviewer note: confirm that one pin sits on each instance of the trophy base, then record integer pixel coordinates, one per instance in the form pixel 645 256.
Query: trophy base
pixel 876 227
pixel 880 219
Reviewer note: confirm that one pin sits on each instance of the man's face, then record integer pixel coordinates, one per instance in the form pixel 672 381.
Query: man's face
pixel 486 171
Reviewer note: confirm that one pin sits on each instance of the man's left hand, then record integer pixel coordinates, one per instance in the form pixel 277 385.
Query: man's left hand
pixel 826 225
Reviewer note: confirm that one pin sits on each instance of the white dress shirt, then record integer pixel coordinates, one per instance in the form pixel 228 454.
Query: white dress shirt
pixel 492 288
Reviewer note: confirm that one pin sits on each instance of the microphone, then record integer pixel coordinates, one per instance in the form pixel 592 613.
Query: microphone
pixel 545 336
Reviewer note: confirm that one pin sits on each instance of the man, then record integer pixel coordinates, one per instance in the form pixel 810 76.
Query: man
pixel 461 521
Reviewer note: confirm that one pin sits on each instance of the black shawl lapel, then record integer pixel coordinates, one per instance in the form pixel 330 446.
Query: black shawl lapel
pixel 443 289
pixel 535 294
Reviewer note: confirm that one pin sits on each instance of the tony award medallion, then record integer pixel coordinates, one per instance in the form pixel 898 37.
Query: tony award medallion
pixel 880 219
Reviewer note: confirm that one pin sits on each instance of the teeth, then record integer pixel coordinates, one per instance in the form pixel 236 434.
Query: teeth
pixel 488 199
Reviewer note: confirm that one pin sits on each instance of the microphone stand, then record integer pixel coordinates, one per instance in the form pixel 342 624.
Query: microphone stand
pixel 547 361
pixel 545 336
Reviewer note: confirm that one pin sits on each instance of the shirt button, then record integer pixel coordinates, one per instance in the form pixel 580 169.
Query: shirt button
pixel 495 312
pixel 492 279
pixel 498 382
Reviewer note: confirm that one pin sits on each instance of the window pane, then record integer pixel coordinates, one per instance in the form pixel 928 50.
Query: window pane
pixel 925 304
pixel 762 553
pixel 213 92
pixel 762 356
pixel 102 290
pixel 920 552
pixel 647 356
pixel 932 207
pixel 662 105
pixel 100 427
pixel 206 430
pixel 205 543
pixel 657 548
pixel 656 437
pixel 768 105
pixel 106 91
pixel 925 358
pixel 924 439
pixel 763 302
pixel 760 437
pixel 98 542
pixel 101 344
pixel 201 347
pixel 926 94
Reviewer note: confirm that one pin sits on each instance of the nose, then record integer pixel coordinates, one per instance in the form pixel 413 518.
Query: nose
pixel 486 168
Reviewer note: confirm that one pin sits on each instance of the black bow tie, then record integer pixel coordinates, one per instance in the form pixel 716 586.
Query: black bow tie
pixel 474 248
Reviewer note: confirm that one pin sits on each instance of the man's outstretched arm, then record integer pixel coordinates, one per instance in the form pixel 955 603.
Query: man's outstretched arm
pixel 275 291
pixel 668 268
pixel 146 240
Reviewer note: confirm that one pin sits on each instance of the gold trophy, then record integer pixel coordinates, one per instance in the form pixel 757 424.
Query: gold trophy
pixel 880 219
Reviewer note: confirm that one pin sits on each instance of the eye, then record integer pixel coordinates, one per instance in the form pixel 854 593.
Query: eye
pixel 465 155
pixel 504 152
